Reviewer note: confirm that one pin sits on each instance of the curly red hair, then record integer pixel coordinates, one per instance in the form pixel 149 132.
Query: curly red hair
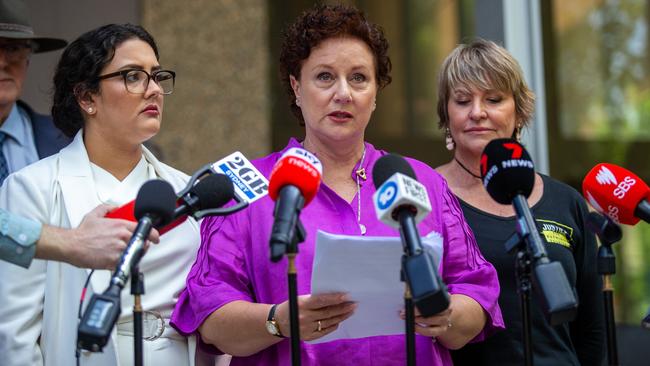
pixel 323 22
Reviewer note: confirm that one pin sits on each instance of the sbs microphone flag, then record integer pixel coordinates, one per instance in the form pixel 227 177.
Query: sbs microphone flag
pixel 617 193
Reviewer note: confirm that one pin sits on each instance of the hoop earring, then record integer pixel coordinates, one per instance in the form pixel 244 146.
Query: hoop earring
pixel 449 141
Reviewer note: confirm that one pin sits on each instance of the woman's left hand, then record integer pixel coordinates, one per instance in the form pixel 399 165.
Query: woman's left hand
pixel 433 326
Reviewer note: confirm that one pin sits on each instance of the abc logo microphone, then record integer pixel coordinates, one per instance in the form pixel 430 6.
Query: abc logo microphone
pixel 397 188
pixel 401 202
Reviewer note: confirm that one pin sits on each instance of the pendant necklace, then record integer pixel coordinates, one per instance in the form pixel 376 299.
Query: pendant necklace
pixel 360 174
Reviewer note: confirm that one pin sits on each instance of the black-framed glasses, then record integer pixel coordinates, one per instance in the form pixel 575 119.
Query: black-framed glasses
pixel 137 81
pixel 16 51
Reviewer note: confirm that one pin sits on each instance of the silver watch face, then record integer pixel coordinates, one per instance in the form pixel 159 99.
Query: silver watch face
pixel 272 327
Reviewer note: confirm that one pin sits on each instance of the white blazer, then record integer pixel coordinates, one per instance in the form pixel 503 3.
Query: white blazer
pixel 38 305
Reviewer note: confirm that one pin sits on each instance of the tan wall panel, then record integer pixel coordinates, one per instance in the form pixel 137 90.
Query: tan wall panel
pixel 219 50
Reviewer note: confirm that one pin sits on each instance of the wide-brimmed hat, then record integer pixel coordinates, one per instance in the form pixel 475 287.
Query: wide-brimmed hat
pixel 14 23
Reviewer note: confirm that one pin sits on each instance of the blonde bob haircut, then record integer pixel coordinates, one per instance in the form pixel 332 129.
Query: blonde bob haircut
pixel 484 65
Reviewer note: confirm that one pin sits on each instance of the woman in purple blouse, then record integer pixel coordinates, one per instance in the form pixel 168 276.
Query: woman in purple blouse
pixel 333 62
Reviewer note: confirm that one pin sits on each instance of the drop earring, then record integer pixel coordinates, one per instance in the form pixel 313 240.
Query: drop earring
pixel 518 132
pixel 449 141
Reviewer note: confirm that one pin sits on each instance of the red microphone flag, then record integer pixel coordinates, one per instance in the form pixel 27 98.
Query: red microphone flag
pixel 615 192
pixel 297 167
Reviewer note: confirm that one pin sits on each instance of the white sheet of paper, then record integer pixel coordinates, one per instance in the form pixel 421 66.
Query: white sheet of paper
pixel 368 270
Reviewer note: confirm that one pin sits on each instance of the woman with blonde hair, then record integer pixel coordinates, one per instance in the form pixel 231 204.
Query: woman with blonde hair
pixel 483 96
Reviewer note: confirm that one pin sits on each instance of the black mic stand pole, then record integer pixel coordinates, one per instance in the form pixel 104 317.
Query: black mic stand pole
pixel 606 268
pixel 524 285
pixel 423 288
pixel 409 309
pixel 292 250
pixel 137 289
pixel 407 227
pixel 288 244
pixel 609 233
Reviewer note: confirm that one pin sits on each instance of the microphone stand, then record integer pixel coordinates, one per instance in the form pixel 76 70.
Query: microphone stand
pixel 609 233
pixel 556 294
pixel 408 227
pixel 292 250
pixel 423 288
pixel 288 244
pixel 137 289
pixel 606 268
pixel 523 270
pixel 410 318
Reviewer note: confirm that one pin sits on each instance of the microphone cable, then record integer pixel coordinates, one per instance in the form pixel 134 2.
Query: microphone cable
pixel 77 352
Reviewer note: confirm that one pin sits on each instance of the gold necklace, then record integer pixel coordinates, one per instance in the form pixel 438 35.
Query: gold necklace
pixel 360 173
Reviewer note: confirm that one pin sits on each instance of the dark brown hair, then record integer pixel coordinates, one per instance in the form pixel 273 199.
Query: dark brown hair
pixel 323 22
pixel 80 65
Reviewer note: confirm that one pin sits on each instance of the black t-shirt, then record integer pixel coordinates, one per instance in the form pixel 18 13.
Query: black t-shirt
pixel 559 216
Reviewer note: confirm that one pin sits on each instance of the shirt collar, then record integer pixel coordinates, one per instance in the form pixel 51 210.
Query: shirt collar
pixel 15 125
pixel 372 155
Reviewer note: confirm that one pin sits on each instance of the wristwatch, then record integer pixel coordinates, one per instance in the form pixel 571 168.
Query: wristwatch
pixel 272 325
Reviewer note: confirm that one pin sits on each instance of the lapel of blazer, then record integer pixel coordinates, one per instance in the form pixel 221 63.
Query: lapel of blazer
pixel 79 194
pixel 75 178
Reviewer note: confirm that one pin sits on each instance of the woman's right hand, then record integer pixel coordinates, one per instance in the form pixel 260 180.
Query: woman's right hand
pixel 318 314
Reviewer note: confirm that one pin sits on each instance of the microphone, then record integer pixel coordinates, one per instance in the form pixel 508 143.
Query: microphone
pixel 209 193
pixel 401 202
pixel 508 175
pixel 293 183
pixel 154 206
pixel 617 193
pixel 604 227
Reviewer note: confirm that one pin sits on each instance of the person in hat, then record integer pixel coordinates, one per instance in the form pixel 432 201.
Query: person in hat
pixel 25 136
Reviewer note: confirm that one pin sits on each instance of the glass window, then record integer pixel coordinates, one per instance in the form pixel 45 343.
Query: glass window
pixel 598 101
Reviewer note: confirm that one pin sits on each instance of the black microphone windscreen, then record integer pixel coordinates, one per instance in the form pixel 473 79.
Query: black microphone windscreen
pixel 213 191
pixel 607 230
pixel 157 199
pixel 388 165
pixel 507 170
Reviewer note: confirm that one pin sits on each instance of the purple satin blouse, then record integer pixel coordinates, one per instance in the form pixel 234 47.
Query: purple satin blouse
pixel 233 264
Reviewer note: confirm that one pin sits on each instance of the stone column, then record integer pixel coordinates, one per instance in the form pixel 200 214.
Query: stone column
pixel 219 50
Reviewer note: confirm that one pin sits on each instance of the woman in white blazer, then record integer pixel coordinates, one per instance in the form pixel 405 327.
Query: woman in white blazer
pixel 109 89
